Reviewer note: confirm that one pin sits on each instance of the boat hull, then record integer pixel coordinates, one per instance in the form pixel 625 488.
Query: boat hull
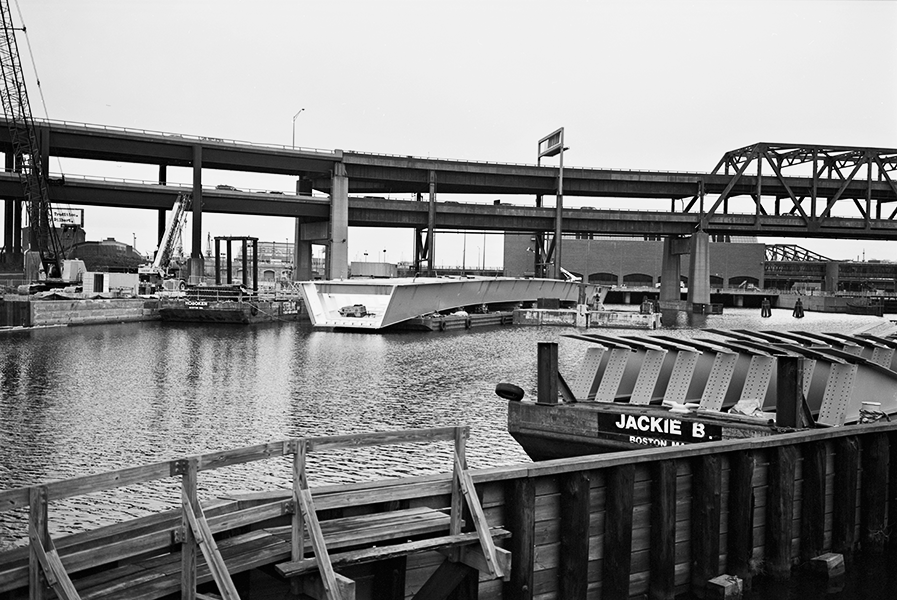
pixel 549 431
pixel 200 311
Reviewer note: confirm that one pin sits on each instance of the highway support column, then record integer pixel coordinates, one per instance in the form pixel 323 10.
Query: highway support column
pixel 197 263
pixel 671 273
pixel 699 270
pixel 160 221
pixel 302 251
pixel 338 252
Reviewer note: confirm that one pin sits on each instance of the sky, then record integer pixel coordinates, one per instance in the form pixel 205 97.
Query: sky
pixel 642 85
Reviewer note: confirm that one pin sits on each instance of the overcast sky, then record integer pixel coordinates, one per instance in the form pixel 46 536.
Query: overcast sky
pixel 657 85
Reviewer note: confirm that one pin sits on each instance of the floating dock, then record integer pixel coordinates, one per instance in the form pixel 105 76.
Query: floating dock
pixel 662 521
pixel 371 304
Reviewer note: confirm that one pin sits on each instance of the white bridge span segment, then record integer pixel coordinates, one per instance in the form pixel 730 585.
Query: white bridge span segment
pixel 390 301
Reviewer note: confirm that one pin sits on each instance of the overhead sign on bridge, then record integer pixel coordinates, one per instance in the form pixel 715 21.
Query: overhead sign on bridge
pixel 552 143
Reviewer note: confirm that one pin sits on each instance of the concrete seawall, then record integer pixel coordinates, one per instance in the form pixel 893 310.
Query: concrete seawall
pixel 18 312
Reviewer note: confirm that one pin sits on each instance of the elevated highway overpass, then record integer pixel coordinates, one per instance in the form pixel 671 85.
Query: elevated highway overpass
pixel 766 189
pixel 368 211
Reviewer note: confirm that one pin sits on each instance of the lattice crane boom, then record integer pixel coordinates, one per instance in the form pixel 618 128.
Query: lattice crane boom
pixel 26 148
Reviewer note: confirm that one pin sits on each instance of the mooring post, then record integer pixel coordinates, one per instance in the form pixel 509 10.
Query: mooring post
pixel 547 373
pixel 790 390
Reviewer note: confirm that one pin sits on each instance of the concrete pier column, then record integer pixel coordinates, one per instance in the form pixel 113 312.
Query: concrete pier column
pixel 303 269
pixel 431 227
pixel 160 220
pixel 671 273
pixel 338 251
pixel 699 269
pixel 197 262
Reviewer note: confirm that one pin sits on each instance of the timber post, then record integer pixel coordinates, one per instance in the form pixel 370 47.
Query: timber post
pixel 741 515
pixel 547 373
pixel 620 484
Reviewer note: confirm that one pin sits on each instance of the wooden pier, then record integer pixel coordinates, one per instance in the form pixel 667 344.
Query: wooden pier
pixel 654 522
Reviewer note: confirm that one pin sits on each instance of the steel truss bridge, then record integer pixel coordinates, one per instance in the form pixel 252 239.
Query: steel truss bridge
pixel 782 190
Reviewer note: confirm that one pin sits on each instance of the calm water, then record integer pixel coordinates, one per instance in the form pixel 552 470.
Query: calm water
pixel 81 400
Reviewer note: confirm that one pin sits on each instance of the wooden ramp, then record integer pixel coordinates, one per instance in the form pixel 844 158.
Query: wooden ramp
pixel 173 552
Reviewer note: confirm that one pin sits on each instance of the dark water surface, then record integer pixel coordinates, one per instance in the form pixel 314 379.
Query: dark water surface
pixel 82 400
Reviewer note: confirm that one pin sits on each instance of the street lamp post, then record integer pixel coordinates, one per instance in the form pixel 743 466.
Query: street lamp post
pixel 294 126
pixel 552 144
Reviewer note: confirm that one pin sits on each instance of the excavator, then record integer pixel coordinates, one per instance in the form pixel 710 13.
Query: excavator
pixel 45 265
pixel 162 273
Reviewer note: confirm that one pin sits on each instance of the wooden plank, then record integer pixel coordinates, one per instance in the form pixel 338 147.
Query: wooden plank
pixel 618 533
pixel 363 555
pixel 740 542
pixel 479 519
pixel 705 525
pixel 780 508
pixel 574 532
pixel 847 465
pixel 520 517
pixel 873 492
pixel 406 436
pixel 53 571
pixel 188 545
pixel 210 550
pixel 37 531
pixel 662 545
pixel 238 456
pixel 322 557
pixel 812 523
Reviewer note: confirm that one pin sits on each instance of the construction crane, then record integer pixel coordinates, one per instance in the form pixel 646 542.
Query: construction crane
pixel 159 272
pixel 43 238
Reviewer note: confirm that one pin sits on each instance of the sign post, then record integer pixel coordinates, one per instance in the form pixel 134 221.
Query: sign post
pixel 550 145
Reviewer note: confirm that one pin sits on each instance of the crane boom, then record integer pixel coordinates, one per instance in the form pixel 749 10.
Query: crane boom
pixel 26 148
pixel 172 232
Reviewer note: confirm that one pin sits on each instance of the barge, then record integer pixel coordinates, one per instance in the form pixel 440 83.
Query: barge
pixel 229 304
pixel 636 391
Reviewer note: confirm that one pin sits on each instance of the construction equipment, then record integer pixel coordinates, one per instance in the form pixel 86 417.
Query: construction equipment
pixel 161 273
pixel 47 261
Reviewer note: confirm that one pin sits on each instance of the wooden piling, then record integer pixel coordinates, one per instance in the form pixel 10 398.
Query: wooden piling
pixel 662 551
pixel 873 495
pixel 705 521
pixel 574 533
pixel 812 506
pixel 618 533
pixel 547 373
pixel 780 511
pixel 847 464
pixel 520 516
pixel 741 515
pixel 892 487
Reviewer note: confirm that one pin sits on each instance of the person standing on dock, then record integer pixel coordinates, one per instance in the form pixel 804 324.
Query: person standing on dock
pixel 765 308
pixel 798 310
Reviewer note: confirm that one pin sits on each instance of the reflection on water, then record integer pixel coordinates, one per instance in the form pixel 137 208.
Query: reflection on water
pixel 75 401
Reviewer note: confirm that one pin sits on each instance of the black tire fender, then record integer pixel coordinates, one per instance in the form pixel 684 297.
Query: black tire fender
pixel 509 391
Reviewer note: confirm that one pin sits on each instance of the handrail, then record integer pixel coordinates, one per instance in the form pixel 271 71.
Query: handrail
pixel 196 533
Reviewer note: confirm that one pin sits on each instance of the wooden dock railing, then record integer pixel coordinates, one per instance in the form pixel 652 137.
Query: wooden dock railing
pixel 656 522
pixel 178 537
